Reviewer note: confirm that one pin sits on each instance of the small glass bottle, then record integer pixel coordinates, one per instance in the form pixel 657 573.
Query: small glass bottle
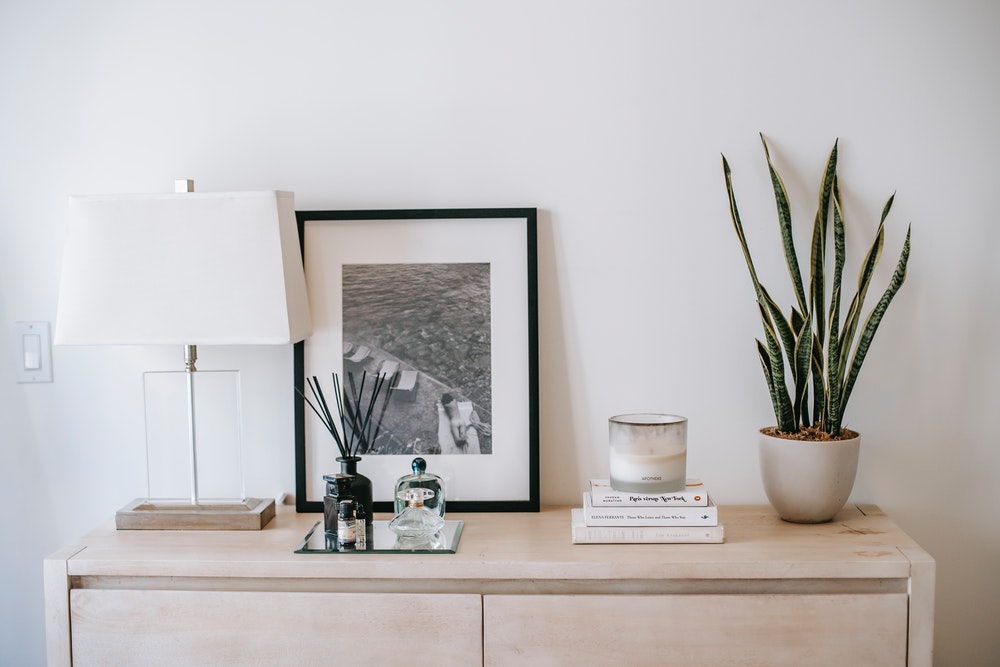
pixel 338 487
pixel 416 522
pixel 347 526
pixel 421 479
pixel 364 526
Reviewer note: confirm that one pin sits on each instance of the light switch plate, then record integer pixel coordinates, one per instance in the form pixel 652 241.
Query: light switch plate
pixel 33 350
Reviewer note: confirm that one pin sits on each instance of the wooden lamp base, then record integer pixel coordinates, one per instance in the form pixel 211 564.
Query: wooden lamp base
pixel 143 514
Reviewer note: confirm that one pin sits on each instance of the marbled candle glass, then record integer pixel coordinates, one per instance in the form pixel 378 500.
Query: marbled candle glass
pixel 648 452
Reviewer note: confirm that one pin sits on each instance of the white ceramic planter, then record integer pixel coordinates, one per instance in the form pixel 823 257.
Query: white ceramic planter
pixel 808 481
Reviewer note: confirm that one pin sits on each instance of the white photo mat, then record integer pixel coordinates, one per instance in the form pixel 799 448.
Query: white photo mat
pixel 505 479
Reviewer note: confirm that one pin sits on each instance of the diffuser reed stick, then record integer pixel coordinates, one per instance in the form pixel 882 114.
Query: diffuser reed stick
pixel 357 431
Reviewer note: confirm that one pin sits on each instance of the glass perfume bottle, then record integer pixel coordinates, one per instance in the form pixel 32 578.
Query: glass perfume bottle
pixel 421 479
pixel 435 542
pixel 416 522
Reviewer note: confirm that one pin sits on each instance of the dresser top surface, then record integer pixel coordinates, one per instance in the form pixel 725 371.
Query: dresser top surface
pixel 861 542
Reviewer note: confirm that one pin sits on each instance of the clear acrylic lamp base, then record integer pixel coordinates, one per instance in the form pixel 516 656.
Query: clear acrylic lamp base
pixel 194 457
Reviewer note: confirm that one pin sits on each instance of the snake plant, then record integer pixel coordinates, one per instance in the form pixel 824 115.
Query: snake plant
pixel 812 350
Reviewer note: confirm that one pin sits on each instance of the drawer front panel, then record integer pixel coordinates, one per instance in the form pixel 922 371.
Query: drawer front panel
pixel 127 627
pixel 710 630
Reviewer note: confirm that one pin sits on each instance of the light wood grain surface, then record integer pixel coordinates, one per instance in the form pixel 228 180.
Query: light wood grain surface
pixel 518 591
pixel 860 542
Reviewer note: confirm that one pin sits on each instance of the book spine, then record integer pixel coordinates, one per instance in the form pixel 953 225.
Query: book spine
pixel 649 516
pixel 603 495
pixel 583 534
pixel 625 499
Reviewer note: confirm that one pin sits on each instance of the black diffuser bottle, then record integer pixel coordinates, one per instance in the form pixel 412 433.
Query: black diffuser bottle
pixel 361 486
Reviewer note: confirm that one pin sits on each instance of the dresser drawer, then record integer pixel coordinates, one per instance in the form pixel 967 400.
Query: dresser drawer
pixel 711 630
pixel 155 627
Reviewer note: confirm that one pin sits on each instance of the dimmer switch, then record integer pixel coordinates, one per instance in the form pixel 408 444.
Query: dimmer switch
pixel 34 352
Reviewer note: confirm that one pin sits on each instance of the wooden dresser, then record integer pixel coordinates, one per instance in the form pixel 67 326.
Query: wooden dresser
pixel 856 591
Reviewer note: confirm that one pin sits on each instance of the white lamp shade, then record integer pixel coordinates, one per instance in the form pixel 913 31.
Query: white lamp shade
pixel 183 268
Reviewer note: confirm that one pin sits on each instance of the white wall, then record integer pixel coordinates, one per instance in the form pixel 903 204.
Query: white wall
pixel 610 118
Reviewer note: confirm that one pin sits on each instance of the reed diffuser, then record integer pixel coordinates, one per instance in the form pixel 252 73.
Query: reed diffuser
pixel 355 427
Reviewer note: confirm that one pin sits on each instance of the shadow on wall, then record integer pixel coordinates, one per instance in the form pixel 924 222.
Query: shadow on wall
pixel 561 470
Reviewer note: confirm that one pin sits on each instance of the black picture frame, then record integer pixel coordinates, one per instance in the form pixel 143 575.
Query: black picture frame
pixel 375 243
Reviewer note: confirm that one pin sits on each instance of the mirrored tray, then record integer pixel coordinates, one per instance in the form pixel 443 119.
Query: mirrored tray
pixel 384 541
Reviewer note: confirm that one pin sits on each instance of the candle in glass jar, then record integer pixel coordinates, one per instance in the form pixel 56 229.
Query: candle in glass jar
pixel 648 452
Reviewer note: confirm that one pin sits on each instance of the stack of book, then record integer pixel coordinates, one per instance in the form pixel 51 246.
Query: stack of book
pixel 609 516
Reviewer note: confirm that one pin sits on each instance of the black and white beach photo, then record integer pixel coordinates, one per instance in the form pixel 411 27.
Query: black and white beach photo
pixel 427 326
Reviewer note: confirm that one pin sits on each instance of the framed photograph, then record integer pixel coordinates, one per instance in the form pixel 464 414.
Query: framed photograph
pixel 444 302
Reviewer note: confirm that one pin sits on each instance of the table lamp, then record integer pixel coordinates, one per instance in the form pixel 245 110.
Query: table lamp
pixel 187 269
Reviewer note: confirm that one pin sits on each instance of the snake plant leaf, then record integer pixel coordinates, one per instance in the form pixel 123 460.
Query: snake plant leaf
pixel 782 401
pixel 774 350
pixel 765 364
pixel 847 334
pixel 819 389
pixel 832 418
pixel 781 328
pixel 734 214
pixel 888 206
pixel 802 362
pixel 865 275
pixel 839 243
pixel 833 382
pixel 785 224
pixel 818 255
pixel 875 318
pixel 796 320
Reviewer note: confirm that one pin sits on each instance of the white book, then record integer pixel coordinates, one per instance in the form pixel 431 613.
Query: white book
pixel 602 494
pixel 584 534
pixel 649 516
